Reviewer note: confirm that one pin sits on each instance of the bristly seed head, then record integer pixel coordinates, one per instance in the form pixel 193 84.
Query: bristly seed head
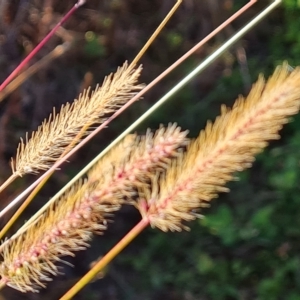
pixel 28 259
pixel 48 143
pixel 225 147
pixel 67 226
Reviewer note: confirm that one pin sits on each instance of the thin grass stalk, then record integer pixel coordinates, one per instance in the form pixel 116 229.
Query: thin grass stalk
pixel 156 32
pixel 22 77
pixel 105 260
pixel 40 45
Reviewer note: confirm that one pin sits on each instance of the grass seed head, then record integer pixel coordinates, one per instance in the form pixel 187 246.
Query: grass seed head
pixel 224 147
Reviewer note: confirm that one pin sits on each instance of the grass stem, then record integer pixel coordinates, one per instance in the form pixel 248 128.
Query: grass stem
pixel 156 32
pixel 105 260
pixel 8 181
pixel 39 46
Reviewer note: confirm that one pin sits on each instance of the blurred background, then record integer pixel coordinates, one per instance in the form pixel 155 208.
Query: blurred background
pixel 247 246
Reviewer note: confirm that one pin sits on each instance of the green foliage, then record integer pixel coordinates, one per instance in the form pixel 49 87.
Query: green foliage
pixel 222 224
pixel 291 4
pixel 93 47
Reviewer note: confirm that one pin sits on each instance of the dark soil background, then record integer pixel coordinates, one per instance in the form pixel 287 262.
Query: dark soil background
pixel 247 247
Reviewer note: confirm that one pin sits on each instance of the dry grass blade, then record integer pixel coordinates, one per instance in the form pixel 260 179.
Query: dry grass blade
pixel 67 226
pixel 48 143
pixel 227 146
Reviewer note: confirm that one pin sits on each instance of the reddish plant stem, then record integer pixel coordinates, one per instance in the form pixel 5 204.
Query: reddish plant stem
pixel 40 45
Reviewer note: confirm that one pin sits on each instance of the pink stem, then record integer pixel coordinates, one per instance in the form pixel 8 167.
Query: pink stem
pixel 40 45
pixel 117 113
